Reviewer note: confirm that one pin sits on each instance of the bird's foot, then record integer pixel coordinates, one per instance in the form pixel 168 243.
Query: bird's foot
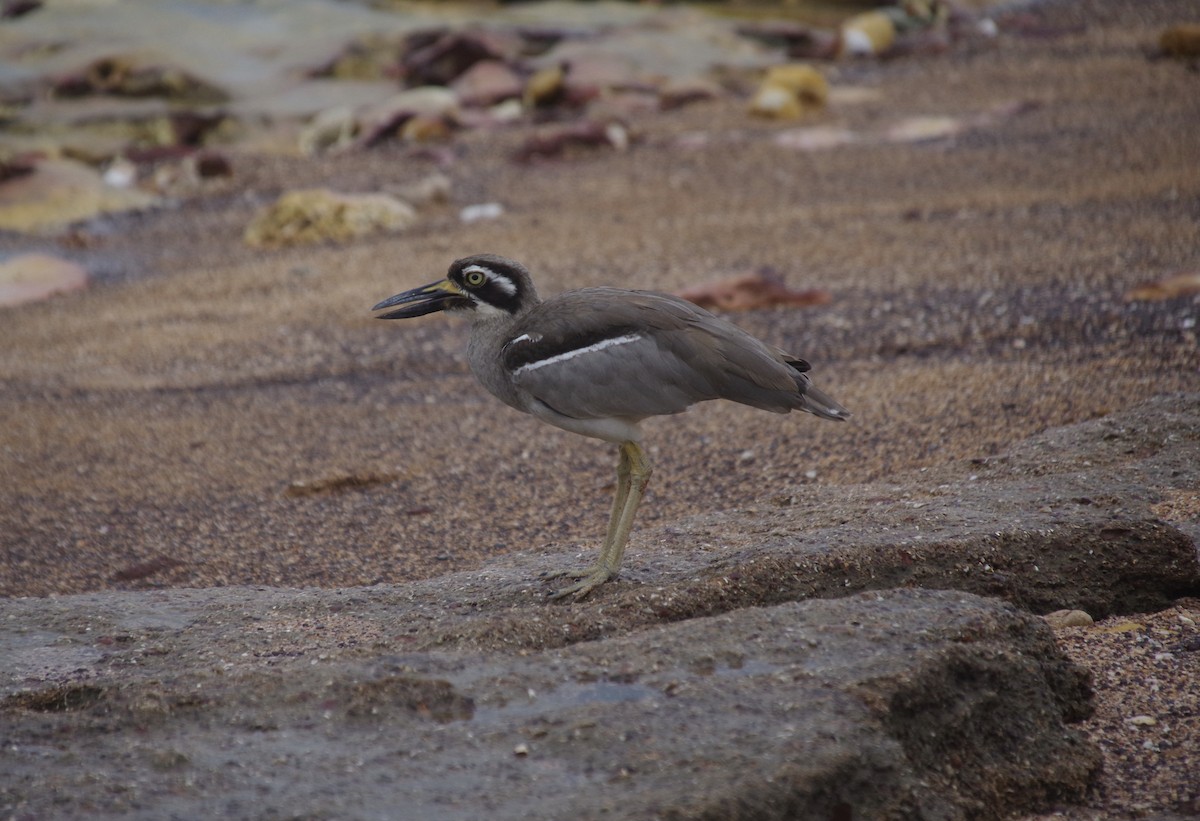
pixel 589 579
pixel 574 572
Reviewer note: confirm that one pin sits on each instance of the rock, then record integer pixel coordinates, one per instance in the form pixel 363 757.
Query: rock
pixel 1182 40
pixel 594 72
pixel 12 167
pixel 338 483
pixel 863 707
pixel 191 173
pixel 486 83
pixel 424 128
pixel 817 138
pixel 509 111
pixel 670 43
pixel 913 27
pixel 417 114
pixel 679 93
pixel 320 215
pixel 426 104
pixel 367 57
pixel 868 34
pixel 922 129
pixel 1068 618
pixel 120 173
pixel 776 33
pixel 331 129
pixel 129 76
pixel 790 91
pixel 544 87
pixel 555 141
pixel 776 103
pixel 12 9
pixel 56 193
pixel 1185 283
pixel 799 41
pixel 748 292
pixel 207 165
pixel 624 106
pixel 915 129
pixel 808 84
pixel 430 189
pixel 33 277
pixel 438 58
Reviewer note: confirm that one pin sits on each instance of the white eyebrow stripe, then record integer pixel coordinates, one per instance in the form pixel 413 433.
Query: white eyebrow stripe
pixel 523 338
pixel 567 355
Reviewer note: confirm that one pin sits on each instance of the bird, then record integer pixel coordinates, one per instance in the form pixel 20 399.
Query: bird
pixel 598 361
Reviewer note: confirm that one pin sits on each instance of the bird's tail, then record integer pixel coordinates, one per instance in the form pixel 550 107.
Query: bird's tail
pixel 816 401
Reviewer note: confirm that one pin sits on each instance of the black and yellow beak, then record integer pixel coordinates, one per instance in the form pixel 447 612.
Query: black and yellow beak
pixel 437 296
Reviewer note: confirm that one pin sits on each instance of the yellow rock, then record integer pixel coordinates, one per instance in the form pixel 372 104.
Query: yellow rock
pixel 808 84
pixel 776 102
pixel 320 215
pixel 866 34
pixel 543 86
pixel 789 91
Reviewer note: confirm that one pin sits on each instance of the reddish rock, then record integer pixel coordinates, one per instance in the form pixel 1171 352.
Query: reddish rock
pixel 486 83
pixel 747 292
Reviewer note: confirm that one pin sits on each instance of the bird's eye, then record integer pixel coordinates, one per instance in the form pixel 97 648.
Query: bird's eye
pixel 474 279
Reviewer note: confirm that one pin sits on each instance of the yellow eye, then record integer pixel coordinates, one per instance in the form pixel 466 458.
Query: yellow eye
pixel 474 278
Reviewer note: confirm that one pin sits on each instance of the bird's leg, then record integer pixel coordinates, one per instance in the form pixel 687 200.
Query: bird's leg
pixel 624 471
pixel 637 472
pixel 633 474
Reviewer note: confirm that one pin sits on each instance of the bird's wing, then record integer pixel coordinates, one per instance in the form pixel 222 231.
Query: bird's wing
pixel 610 353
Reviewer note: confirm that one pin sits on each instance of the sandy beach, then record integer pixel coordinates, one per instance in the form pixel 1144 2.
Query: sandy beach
pixel 208 414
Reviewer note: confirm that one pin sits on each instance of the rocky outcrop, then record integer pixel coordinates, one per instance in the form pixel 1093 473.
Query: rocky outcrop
pixel 900 704
pixel 723 690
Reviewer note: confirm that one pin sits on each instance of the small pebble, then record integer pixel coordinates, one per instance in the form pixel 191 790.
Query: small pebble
pixel 121 173
pixel 482 211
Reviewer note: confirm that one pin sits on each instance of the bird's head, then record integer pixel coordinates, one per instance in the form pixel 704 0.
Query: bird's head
pixel 484 283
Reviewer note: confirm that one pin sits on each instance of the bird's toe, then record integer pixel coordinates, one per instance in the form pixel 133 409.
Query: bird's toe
pixel 572 573
pixel 589 580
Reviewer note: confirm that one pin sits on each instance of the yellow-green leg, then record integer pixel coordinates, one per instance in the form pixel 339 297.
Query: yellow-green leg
pixel 633 474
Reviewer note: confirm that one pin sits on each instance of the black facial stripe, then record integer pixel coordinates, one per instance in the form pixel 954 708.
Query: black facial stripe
pixel 496 296
pixel 499 290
